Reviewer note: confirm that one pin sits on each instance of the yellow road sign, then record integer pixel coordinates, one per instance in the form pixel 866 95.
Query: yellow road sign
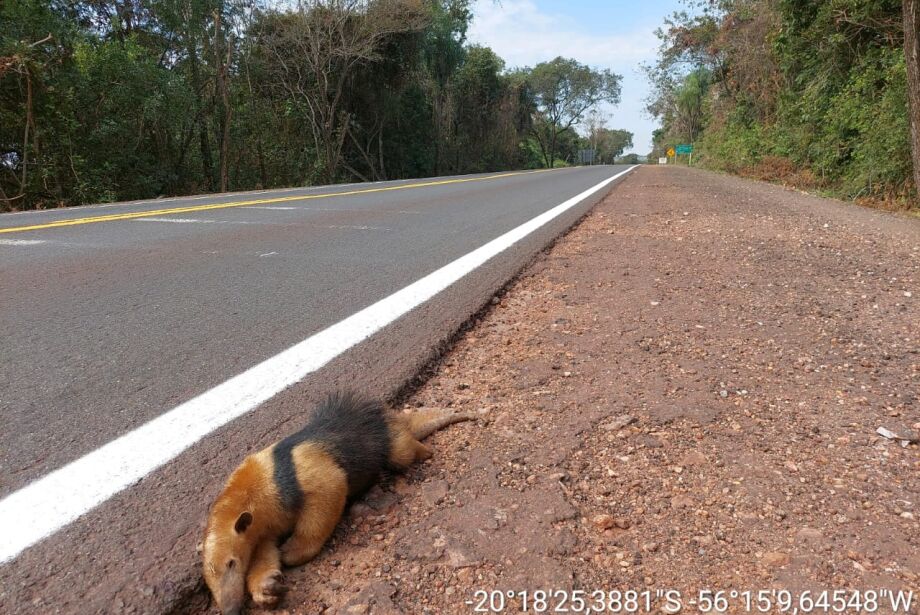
pixel 671 152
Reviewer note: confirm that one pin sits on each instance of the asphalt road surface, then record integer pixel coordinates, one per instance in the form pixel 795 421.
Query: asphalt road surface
pixel 112 316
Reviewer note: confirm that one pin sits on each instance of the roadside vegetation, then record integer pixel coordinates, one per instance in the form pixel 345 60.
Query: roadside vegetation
pixel 813 93
pixel 105 100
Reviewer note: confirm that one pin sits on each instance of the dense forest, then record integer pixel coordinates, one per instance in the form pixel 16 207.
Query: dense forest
pixel 105 100
pixel 816 93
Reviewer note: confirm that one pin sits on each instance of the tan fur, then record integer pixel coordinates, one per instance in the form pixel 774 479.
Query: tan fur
pixel 251 491
pixel 325 488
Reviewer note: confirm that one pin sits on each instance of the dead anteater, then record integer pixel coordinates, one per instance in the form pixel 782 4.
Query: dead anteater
pixel 282 503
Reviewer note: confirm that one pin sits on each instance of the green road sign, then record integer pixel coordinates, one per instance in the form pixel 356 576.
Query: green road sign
pixel 684 149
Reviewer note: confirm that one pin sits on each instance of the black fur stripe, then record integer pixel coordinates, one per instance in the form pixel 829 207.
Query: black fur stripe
pixel 286 474
pixel 349 427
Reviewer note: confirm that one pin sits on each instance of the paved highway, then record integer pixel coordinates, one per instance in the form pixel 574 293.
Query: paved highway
pixel 116 319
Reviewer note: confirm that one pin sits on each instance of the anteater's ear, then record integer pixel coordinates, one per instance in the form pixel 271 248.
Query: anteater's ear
pixel 243 522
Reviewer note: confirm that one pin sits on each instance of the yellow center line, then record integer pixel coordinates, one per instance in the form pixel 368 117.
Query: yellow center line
pixel 229 204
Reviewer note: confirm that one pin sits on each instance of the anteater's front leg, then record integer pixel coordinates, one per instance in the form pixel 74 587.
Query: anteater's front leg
pixel 264 579
pixel 322 509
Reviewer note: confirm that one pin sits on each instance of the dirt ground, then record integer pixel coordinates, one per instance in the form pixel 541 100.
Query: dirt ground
pixel 683 394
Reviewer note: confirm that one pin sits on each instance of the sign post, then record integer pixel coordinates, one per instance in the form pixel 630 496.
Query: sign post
pixel 686 149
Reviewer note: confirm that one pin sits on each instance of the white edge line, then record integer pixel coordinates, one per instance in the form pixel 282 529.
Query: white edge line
pixel 21 242
pixel 49 503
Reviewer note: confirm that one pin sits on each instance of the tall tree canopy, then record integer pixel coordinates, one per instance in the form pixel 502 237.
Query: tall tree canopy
pixel 564 91
pixel 126 99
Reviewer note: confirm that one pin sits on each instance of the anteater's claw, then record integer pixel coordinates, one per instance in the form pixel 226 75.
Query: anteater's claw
pixel 271 589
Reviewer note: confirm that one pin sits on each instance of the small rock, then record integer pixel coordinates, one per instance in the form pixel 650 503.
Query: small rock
pixel 809 534
pixel 693 458
pixel 382 501
pixel 619 422
pixel 907 515
pixel 604 522
pixel 459 558
pixel 360 510
pixel 775 559
pixel 434 492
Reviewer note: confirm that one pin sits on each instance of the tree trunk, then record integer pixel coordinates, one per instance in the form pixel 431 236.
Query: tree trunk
pixel 912 54
pixel 207 163
pixel 224 91
pixel 25 138
pixel 263 173
pixel 203 143
pixel 552 150
pixel 536 133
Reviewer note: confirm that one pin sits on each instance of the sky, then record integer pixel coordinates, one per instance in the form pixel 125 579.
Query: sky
pixel 603 34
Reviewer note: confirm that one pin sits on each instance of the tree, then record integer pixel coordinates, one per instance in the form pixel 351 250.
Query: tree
pixel 317 50
pixel 443 55
pixel 912 55
pixel 480 91
pixel 24 63
pixel 610 144
pixel 564 91
pixel 607 144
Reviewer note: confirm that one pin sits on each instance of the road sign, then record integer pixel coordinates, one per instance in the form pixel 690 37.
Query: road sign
pixel 684 149
pixel 671 151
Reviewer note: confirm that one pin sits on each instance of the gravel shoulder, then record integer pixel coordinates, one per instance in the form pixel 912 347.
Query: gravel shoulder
pixel 683 393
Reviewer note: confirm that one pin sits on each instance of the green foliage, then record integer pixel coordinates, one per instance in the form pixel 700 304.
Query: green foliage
pixel 107 100
pixel 817 88
pixel 563 92
pixel 731 146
